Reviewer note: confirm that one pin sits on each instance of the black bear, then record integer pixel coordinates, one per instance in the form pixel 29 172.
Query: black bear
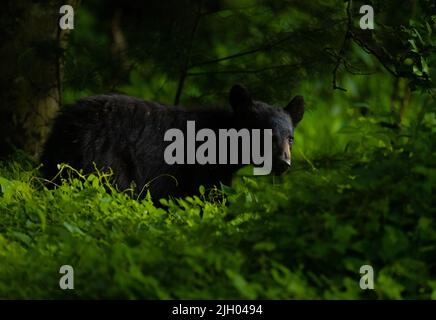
pixel 128 135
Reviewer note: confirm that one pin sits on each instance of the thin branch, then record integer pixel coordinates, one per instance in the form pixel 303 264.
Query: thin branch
pixel 348 66
pixel 241 71
pixel 236 55
pixel 264 47
pixel 340 55
pixel 351 35
pixel 369 50
pixel 185 68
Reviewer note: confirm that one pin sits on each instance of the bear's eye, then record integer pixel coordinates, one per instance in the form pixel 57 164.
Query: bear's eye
pixel 291 140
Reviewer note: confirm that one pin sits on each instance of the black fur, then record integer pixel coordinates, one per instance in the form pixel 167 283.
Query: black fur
pixel 127 135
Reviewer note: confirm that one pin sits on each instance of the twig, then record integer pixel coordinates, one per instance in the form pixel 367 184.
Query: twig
pixel 185 68
pixel 241 71
pixel 369 50
pixel 263 47
pixel 340 55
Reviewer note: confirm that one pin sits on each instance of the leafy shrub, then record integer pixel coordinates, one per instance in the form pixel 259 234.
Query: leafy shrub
pixel 303 236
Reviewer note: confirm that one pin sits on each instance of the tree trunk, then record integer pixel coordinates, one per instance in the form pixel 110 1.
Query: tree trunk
pixel 31 54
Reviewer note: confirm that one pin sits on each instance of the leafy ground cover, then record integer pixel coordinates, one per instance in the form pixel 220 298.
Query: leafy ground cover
pixel 304 235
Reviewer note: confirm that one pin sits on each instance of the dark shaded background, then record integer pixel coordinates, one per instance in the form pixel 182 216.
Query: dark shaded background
pixel 361 190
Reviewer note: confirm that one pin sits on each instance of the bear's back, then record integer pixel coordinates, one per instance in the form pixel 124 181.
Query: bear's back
pixel 105 130
pixel 126 134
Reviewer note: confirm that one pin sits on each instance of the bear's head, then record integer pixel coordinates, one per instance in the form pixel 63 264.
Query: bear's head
pixel 282 121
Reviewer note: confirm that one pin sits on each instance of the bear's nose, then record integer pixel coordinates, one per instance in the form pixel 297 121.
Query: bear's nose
pixel 282 165
pixel 286 158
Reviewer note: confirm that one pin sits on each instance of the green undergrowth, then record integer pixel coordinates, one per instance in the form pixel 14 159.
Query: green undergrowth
pixel 301 236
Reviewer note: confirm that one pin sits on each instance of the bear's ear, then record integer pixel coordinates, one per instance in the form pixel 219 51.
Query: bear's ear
pixel 295 109
pixel 240 99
